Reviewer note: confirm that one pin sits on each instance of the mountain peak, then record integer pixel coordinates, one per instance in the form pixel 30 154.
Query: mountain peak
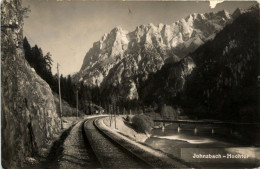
pixel 254 7
pixel 151 25
pixel 121 55
pixel 118 29
pixel 237 12
pixel 224 14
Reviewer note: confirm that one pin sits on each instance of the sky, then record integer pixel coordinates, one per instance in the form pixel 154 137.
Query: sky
pixel 68 29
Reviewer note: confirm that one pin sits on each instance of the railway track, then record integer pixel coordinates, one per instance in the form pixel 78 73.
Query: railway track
pixel 110 153
pixel 113 151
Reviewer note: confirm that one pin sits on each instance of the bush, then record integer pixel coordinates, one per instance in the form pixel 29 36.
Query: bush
pixel 142 123
pixel 168 112
pixel 128 119
pixel 155 116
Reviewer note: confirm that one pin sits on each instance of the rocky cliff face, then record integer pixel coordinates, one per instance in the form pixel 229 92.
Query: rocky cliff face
pixel 123 58
pixel 219 79
pixel 28 111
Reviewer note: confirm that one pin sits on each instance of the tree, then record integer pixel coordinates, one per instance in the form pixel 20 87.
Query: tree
pixel 27 51
pixel 48 61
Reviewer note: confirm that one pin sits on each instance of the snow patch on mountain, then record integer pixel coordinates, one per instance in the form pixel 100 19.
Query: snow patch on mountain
pixel 121 57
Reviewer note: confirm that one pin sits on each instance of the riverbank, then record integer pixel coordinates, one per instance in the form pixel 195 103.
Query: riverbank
pixel 123 127
pixel 153 156
pixel 186 142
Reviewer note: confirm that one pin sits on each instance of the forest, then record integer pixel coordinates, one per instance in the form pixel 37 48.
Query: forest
pixel 87 95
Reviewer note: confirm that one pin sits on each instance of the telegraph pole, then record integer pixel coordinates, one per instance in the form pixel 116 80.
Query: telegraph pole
pixel 77 103
pixel 110 114
pixel 59 96
pixel 115 112
pixel 113 99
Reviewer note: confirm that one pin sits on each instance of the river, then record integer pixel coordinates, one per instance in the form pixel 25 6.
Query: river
pixel 186 141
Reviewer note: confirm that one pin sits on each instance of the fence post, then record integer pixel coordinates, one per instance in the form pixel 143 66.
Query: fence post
pixel 179 127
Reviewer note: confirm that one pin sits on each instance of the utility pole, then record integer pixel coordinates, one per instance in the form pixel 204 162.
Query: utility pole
pixel 110 114
pixel 115 109
pixel 77 103
pixel 59 96
pixel 113 99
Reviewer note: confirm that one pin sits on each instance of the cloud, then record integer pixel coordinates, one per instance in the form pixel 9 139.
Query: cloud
pixel 213 3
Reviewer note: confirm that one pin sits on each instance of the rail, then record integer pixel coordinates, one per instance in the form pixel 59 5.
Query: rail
pixel 127 151
pixel 101 157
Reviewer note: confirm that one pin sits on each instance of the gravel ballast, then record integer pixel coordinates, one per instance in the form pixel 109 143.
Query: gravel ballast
pixel 108 153
pixel 154 157
pixel 76 154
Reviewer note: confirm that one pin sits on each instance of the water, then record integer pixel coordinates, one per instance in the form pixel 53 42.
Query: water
pixel 175 140
pixel 200 134
pixel 171 139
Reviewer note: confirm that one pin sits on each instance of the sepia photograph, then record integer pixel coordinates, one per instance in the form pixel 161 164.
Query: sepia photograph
pixel 130 84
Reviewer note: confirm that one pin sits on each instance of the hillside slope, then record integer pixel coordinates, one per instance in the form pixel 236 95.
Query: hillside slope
pixel 219 79
pixel 224 82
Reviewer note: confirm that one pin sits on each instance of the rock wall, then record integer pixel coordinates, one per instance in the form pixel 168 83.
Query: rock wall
pixel 28 111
